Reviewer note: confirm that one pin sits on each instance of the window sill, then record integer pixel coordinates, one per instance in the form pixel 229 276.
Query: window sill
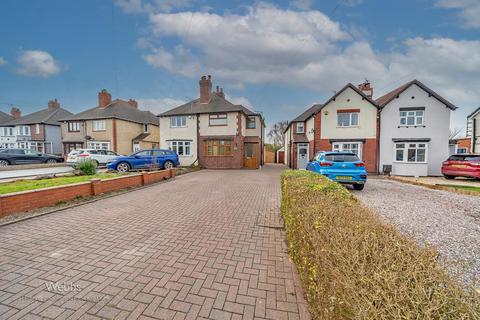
pixel 99 130
pixel 218 125
pixel 348 126
pixel 418 126
pixel 218 156
pixel 409 162
pixel 185 155
pixel 178 127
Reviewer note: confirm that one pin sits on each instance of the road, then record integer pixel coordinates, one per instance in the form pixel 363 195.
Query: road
pixel 207 244
pixel 449 221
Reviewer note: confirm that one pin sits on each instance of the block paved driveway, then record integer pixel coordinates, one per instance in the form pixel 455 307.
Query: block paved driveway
pixel 205 245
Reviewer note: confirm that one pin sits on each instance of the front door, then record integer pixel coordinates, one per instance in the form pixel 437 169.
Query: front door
pixel 302 155
pixel 251 155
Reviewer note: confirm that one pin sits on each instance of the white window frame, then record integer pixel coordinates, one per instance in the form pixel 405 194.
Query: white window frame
pixel 217 119
pixel 136 146
pixel 412 145
pixel 73 126
pixel 98 145
pixel 99 125
pixel 7 132
pixel 23 130
pixel 176 144
pixel 462 150
pixel 300 125
pixel 251 119
pixel 346 146
pixel 37 128
pixel 351 116
pixel 178 121
pixel 418 119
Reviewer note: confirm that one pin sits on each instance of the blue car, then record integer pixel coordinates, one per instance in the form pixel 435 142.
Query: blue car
pixel 341 167
pixel 144 159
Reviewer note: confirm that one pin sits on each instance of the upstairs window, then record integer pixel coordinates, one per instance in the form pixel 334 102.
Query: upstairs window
pixel 73 126
pixel 23 130
pixel 300 127
pixel 412 117
pixel 217 119
pixel 178 121
pixel 145 127
pixel 37 128
pixel 7 132
pixel 347 119
pixel 98 125
pixel 251 122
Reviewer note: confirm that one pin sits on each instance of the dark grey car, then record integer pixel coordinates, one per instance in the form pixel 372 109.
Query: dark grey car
pixel 25 156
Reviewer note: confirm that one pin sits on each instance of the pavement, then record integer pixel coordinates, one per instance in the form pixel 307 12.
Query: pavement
pixel 22 173
pixel 441 181
pixel 206 245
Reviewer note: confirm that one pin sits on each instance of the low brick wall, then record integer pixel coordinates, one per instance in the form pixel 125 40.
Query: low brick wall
pixel 27 200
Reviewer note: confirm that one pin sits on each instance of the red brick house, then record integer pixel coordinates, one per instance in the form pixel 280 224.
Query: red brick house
pixel 348 121
pixel 213 132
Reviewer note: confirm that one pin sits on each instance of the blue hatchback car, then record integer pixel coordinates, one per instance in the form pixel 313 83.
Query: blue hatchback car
pixel 144 159
pixel 341 167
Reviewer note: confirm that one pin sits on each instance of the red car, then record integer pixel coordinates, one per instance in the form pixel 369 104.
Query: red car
pixel 462 165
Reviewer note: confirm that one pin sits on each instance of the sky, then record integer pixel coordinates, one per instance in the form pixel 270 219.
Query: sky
pixel 275 57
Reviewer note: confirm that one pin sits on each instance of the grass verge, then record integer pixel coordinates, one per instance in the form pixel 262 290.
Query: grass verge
pixel 352 266
pixel 469 188
pixel 24 185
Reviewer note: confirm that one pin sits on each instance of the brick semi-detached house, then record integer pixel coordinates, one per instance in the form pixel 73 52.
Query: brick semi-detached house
pixel 116 125
pixel 212 132
pixel 39 131
pixel 348 121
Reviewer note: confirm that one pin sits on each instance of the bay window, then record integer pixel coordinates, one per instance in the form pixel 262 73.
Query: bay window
pixel 354 147
pixel 182 148
pixel 218 148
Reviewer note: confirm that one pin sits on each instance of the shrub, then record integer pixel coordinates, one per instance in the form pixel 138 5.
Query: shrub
pixel 352 266
pixel 87 167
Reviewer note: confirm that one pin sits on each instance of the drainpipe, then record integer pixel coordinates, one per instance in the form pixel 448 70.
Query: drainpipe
pixel 474 135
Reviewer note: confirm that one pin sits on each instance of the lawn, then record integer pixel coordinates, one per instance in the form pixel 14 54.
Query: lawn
pixel 469 188
pixel 23 185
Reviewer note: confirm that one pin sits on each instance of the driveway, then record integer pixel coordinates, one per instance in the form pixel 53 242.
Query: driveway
pixel 447 220
pixel 208 244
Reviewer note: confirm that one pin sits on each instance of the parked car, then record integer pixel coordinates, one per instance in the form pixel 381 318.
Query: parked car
pixel 101 157
pixel 462 165
pixel 144 159
pixel 341 167
pixel 25 156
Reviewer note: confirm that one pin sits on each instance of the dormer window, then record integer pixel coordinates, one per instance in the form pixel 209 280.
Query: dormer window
pixel 300 127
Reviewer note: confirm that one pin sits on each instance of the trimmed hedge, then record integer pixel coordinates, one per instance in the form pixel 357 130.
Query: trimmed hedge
pixel 352 266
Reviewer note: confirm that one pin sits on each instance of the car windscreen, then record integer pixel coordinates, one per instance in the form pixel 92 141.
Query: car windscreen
pixel 456 157
pixel 472 158
pixel 341 157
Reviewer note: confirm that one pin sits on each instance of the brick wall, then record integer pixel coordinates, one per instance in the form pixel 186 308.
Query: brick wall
pixel 40 136
pixel 29 200
pixel 214 162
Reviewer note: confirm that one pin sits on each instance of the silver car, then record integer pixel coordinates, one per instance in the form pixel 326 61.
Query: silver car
pixel 101 157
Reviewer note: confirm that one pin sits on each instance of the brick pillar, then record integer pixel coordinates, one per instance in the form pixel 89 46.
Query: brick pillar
pixel 145 178
pixel 173 172
pixel 96 186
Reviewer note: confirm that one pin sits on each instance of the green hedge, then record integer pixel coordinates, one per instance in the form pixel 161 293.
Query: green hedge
pixel 352 266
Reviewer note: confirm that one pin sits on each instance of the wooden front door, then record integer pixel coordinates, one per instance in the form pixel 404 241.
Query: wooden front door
pixel 251 155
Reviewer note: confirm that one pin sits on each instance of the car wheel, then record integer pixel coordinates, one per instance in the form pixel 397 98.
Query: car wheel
pixel 4 163
pixel 358 186
pixel 51 161
pixel 168 164
pixel 96 163
pixel 123 167
pixel 449 177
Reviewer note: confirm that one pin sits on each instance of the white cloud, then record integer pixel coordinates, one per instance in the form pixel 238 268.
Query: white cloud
pixel 159 105
pixel 240 100
pixel 307 49
pixel 151 6
pixel 302 4
pixel 2 61
pixel 469 10
pixel 37 63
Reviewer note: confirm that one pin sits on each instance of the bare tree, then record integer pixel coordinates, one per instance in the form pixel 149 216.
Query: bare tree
pixel 277 133
pixel 454 132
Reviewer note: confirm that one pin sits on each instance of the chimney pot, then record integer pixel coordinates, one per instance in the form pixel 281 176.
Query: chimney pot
pixel 53 104
pixel 205 89
pixel 15 113
pixel 366 89
pixel 104 98
pixel 133 103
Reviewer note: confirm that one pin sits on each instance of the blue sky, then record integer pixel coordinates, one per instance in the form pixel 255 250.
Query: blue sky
pixel 277 57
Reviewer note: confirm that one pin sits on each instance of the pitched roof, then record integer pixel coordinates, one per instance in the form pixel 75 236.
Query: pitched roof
pixel 5 117
pixel 474 113
pixel 308 113
pixel 216 104
pixel 46 116
pixel 354 88
pixel 117 109
pixel 385 99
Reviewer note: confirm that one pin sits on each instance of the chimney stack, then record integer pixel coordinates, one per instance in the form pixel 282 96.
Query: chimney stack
pixel 133 103
pixel 366 89
pixel 53 104
pixel 205 88
pixel 15 113
pixel 104 98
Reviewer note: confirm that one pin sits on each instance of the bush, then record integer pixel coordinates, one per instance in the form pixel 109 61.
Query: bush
pixel 87 167
pixel 352 266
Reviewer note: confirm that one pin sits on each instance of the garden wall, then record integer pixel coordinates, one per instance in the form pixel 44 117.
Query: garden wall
pixel 33 199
